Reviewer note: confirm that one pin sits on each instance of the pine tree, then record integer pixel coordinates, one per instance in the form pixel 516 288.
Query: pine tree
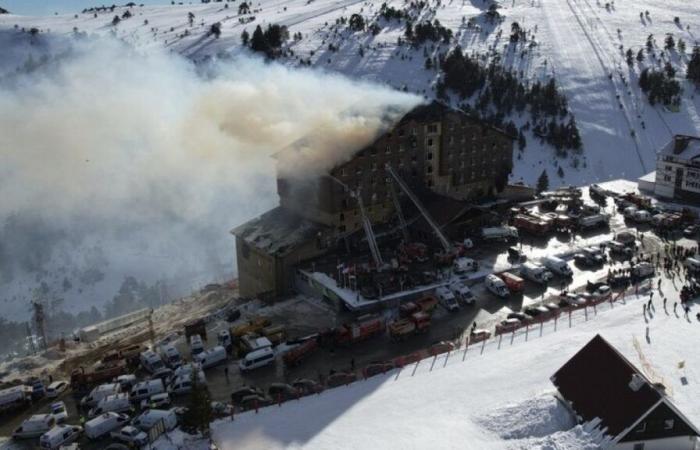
pixel 640 56
pixel 670 42
pixel 681 45
pixel 199 413
pixel 693 73
pixel 258 42
pixel 543 182
pixel 560 172
pixel 190 18
pixel 245 37
pixel 630 57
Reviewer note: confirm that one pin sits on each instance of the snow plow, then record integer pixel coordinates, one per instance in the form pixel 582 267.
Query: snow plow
pixel 403 328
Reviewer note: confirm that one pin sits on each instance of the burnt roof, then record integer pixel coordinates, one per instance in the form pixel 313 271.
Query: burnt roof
pixel 277 232
pixel 436 109
pixel 596 381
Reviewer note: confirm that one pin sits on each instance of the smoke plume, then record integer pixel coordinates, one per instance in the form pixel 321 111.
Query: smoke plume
pixel 152 159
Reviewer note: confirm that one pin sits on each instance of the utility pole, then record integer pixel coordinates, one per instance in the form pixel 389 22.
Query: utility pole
pixel 39 322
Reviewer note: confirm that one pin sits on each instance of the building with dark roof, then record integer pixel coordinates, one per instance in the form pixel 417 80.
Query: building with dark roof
pixel 432 147
pixel 599 382
pixel 678 170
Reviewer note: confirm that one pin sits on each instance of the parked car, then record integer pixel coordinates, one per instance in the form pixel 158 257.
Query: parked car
pixel 244 391
pixel 60 436
pixel 253 401
pixel 447 299
pixel 307 386
pixel 131 436
pixel 59 412
pixel 282 391
pixel 34 426
pixel 463 293
pixel 521 316
pixel 691 231
pixel 572 299
pixel 56 388
pixel 536 311
pixel 156 401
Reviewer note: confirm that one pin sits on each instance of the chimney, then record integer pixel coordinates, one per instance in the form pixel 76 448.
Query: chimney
pixel 680 143
pixel 636 382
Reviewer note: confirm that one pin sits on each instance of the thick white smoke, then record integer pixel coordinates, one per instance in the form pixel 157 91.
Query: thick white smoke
pixel 130 149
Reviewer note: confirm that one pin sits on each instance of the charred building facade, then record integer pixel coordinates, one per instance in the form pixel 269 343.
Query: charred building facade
pixel 432 147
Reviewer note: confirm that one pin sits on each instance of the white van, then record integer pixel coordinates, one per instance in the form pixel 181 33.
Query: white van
pixel 100 392
pixel 35 426
pixel 183 383
pixel 196 345
pixel 145 389
pixel 447 299
pixel 156 401
pixel 151 361
pixel 496 286
pixel 60 435
pixel 558 266
pixel 171 356
pixel 693 265
pixel 187 369
pixel 118 403
pixel 463 293
pixel 149 418
pixel 107 422
pixel 211 357
pixel 258 358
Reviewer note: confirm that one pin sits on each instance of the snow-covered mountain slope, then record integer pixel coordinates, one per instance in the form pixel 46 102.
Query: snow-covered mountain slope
pixel 501 398
pixel 577 41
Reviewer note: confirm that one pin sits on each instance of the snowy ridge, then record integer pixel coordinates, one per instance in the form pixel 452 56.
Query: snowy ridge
pixel 577 42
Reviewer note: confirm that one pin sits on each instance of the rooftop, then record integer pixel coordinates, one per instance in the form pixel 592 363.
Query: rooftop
pixel 687 147
pixel 600 382
pixel 277 232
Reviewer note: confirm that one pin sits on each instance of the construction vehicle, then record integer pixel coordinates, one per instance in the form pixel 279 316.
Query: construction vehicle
pixel 364 328
pixel 275 333
pixel 641 201
pixel 197 326
pixel 513 282
pixel 499 233
pixel 302 351
pixel 103 373
pixel 532 225
pixel 403 328
pixel 427 304
pixel 253 326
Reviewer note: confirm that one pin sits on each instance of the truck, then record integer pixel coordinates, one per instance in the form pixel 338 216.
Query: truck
pixel 513 282
pixel 403 328
pixel 198 326
pixel 254 325
pixel 15 397
pixel 103 373
pixel 275 333
pixel 593 221
pixel 532 225
pixel 535 272
pixel 296 355
pixel 507 233
pixel 364 328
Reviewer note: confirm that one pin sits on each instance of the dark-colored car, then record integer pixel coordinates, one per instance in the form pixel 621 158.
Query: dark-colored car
pixel 253 401
pixel 521 316
pixel 339 379
pixel 515 254
pixel 244 391
pixel 307 386
pixel 282 392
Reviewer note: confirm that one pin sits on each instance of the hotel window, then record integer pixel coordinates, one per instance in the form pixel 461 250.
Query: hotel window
pixel 432 128
pixel 430 156
pixel 430 142
pixel 388 149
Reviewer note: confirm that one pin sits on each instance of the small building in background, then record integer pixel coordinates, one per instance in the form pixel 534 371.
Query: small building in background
pixel 598 382
pixel 678 170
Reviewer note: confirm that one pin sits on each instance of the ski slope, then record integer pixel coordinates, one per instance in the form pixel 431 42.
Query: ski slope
pixel 577 42
pixel 499 399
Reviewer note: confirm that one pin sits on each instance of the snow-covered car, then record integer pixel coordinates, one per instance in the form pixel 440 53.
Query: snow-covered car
pixel 573 299
pixel 521 316
pixel 447 299
pixel 59 412
pixel 56 388
pixel 244 391
pixel 691 231
pixel 463 293
pixel 307 386
pixel 131 436
pixel 603 291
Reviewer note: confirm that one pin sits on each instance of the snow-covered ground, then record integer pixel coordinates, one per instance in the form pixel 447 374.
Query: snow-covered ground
pixel 577 41
pixel 499 399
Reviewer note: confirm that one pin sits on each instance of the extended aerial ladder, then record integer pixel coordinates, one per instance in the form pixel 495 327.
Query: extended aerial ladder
pixel 366 224
pixel 404 187
pixel 399 212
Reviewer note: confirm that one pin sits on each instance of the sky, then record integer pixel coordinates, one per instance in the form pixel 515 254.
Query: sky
pixel 44 7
